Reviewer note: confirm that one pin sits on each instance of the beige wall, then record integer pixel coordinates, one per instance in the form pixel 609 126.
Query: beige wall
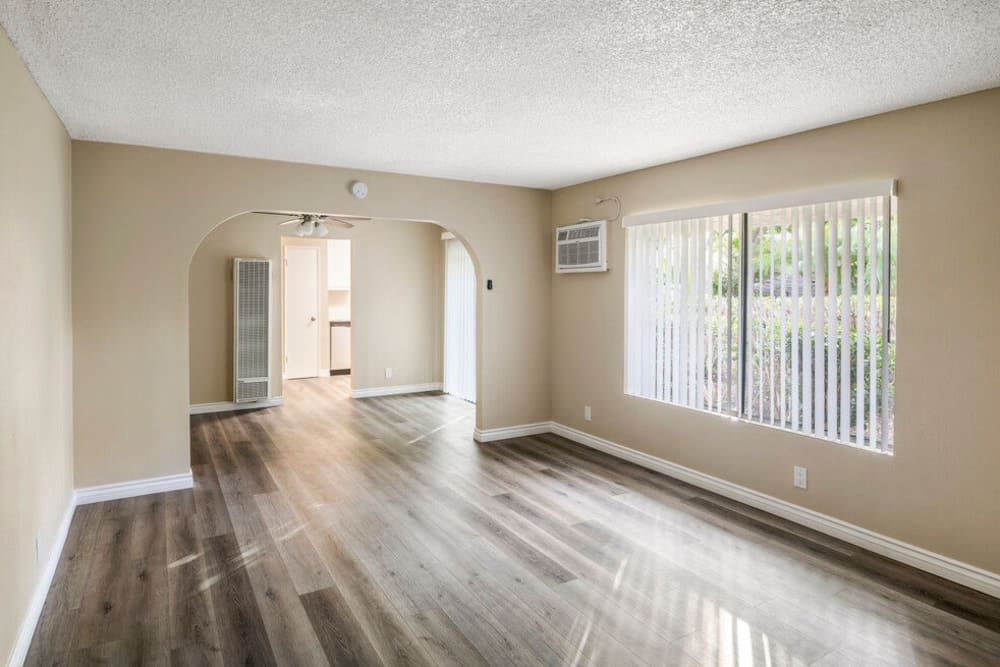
pixel 940 490
pixel 36 438
pixel 396 302
pixel 139 216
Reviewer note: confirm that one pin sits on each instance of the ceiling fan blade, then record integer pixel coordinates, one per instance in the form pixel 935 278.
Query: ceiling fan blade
pixel 344 216
pixel 288 222
pixel 296 213
pixel 343 223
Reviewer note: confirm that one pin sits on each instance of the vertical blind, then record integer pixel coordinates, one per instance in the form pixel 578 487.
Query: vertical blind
pixel 459 322
pixel 808 345
pixel 683 312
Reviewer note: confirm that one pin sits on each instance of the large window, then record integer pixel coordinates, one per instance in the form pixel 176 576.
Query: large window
pixel 779 310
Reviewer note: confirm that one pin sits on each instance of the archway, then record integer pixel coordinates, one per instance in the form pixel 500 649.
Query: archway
pixel 391 255
pixel 140 215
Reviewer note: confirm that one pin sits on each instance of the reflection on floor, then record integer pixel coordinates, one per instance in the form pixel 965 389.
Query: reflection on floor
pixel 376 531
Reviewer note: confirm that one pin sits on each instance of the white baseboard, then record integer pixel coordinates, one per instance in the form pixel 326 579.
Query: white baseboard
pixel 139 487
pixel 395 389
pixel 229 406
pixel 519 431
pixel 922 559
pixel 27 630
pixel 85 496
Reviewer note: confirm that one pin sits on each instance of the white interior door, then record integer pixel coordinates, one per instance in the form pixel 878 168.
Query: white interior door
pixel 302 321
pixel 459 322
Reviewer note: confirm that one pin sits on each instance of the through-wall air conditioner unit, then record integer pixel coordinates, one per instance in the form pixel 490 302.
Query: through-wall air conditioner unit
pixel 582 247
pixel 251 330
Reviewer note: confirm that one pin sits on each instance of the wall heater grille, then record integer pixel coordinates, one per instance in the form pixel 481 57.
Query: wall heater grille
pixel 252 330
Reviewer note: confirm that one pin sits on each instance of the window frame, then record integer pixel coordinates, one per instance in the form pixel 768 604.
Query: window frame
pixel 742 209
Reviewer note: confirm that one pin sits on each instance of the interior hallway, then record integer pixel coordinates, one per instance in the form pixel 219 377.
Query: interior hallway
pixel 376 531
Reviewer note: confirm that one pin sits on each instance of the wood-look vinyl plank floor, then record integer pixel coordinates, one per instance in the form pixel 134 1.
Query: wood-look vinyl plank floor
pixel 376 531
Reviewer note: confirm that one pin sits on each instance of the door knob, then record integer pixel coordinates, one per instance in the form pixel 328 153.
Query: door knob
pixel 312 319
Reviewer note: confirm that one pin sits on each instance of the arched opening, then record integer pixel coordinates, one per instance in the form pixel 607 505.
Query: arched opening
pixel 397 309
pixel 134 425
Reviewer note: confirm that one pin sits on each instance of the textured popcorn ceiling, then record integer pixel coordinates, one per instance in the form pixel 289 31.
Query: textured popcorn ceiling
pixel 522 92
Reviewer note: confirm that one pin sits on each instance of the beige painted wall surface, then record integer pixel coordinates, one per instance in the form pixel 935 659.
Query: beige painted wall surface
pixel 940 490
pixel 395 290
pixel 36 413
pixel 210 299
pixel 139 216
pixel 396 304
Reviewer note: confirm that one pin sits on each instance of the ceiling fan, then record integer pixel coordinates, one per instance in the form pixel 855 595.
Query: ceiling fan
pixel 313 224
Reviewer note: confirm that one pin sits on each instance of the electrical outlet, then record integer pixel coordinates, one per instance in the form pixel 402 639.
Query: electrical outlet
pixel 586 413
pixel 800 477
pixel 388 373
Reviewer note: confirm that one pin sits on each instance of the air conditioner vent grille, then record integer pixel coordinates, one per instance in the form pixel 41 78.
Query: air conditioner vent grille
pixel 585 233
pixel 582 247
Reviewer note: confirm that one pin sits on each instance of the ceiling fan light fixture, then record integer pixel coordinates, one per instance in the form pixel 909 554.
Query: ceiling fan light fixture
pixel 312 224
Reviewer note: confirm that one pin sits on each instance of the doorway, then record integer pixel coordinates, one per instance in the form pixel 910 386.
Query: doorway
pixel 459 321
pixel 301 312
pixel 338 261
